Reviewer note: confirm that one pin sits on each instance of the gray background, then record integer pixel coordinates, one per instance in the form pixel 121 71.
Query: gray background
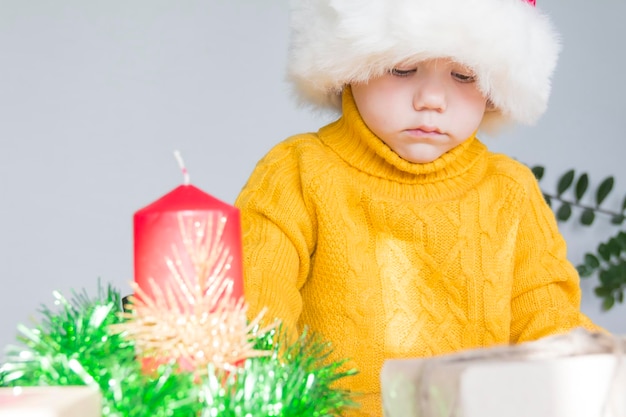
pixel 95 96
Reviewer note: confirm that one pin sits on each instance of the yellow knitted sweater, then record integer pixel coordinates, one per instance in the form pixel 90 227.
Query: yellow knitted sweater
pixel 390 259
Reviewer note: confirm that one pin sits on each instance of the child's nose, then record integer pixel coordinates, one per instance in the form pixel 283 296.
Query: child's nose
pixel 430 93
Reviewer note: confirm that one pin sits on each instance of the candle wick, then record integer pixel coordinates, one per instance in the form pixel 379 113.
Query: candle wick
pixel 181 164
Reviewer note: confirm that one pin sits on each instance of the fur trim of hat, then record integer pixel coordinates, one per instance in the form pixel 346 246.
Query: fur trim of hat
pixel 510 44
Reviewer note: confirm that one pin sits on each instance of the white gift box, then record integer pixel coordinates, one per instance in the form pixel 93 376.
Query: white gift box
pixel 65 401
pixel 580 374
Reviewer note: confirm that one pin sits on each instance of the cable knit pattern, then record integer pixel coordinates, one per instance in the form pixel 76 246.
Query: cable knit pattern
pixel 389 259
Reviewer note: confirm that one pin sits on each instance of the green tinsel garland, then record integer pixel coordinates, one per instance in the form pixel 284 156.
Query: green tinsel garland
pixel 73 345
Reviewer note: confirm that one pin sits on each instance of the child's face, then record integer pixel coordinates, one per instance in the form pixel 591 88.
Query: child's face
pixel 422 111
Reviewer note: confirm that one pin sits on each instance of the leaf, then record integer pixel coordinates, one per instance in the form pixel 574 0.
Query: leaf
pixel 602 291
pixel 618 219
pixel 604 252
pixel 620 273
pixel 614 247
pixel 581 186
pixel 621 239
pixel 592 261
pixel 565 181
pixel 564 212
pixel 608 303
pixel 587 217
pixel 615 276
pixel 624 204
pixel 538 172
pixel 548 199
pixel 603 190
pixel 584 271
pixel 605 278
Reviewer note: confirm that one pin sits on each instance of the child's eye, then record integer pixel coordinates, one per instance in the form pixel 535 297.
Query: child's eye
pixel 464 78
pixel 402 73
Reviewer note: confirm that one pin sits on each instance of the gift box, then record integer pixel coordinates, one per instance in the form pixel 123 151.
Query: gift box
pixel 580 374
pixel 66 401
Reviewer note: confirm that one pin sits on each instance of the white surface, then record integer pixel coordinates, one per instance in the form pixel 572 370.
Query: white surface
pixel 96 95
pixel 50 402
pixel 568 387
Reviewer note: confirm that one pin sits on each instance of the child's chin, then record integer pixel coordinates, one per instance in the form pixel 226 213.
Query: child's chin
pixel 422 157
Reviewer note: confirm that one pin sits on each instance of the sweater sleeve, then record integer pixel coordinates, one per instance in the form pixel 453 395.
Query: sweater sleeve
pixel 546 292
pixel 277 236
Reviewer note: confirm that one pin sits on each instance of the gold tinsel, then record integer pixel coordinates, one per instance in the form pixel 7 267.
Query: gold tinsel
pixel 195 320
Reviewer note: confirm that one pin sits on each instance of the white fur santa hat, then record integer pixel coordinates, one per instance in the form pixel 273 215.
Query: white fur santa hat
pixel 511 46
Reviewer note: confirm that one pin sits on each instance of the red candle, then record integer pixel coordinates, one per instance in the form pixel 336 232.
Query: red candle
pixel 187 236
pixel 188 304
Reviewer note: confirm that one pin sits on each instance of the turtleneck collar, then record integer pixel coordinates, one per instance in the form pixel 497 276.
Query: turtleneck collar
pixel 355 143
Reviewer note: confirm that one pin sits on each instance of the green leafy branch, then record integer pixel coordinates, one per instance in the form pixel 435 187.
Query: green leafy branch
pixel 608 260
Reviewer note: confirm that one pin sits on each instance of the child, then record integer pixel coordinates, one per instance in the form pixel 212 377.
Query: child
pixel 393 232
